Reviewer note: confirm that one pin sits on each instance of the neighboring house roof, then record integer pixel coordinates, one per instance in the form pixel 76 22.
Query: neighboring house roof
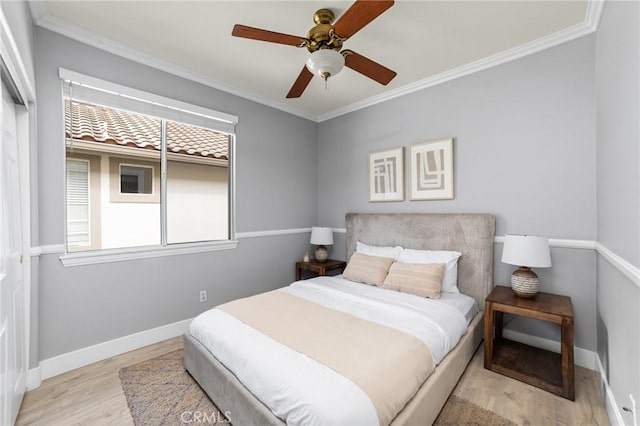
pixel 112 126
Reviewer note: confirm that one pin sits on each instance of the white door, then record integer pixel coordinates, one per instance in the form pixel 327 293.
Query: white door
pixel 12 294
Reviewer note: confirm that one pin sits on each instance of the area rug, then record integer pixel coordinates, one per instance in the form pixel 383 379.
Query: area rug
pixel 159 391
pixel 459 411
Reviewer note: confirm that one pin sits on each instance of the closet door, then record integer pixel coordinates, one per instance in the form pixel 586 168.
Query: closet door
pixel 12 293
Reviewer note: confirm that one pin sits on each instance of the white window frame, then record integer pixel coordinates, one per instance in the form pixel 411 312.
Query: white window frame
pixel 115 95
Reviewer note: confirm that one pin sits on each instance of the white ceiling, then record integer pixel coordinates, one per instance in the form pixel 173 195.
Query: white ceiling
pixel 423 41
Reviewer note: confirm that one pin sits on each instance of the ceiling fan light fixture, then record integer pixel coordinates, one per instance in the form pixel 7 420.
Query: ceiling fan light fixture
pixel 325 63
pixel 325 41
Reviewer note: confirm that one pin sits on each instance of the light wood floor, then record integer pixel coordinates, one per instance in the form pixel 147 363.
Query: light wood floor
pixel 92 395
pixel 528 405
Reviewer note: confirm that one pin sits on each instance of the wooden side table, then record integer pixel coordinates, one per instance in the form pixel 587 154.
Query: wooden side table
pixel 547 370
pixel 320 268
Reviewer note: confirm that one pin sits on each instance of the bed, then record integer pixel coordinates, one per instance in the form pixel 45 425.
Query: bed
pixel 470 234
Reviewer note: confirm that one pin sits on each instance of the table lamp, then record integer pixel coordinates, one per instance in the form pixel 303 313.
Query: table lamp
pixel 526 251
pixel 322 236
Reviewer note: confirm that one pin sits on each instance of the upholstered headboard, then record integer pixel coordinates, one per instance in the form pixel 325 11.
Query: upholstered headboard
pixel 470 234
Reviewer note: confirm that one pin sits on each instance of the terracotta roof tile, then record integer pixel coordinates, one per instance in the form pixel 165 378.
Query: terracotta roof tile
pixel 107 125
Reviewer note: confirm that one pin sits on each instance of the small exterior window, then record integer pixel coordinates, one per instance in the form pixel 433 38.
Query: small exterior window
pixel 136 179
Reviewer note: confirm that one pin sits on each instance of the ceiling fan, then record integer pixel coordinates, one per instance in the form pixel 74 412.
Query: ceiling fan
pixel 325 40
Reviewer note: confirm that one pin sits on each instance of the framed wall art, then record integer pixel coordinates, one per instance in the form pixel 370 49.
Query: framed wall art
pixel 386 175
pixel 431 170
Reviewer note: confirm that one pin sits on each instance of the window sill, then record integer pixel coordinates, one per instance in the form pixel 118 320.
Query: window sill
pixel 118 255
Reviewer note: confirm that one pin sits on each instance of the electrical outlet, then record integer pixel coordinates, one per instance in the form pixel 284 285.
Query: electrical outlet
pixel 203 295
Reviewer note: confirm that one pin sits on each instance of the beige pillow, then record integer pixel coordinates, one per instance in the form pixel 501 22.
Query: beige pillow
pixel 423 280
pixel 367 269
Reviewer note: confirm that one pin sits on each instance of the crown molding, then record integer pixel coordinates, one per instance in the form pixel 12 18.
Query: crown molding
pixel 594 14
pixel 51 23
pixel 590 25
pixel 38 10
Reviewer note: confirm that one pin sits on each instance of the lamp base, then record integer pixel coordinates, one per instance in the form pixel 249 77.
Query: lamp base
pixel 525 282
pixel 322 254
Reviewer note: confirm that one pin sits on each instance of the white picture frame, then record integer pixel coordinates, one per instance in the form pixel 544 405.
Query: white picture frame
pixel 386 175
pixel 431 170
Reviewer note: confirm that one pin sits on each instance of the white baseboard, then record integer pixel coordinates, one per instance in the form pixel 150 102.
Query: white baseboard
pixel 582 357
pixel 615 417
pixel 34 378
pixel 70 361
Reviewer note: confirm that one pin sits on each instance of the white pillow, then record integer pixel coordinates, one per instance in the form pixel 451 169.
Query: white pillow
pixel 390 252
pixel 450 280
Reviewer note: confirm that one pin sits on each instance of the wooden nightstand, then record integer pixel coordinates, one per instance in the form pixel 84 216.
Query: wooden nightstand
pixel 547 370
pixel 318 267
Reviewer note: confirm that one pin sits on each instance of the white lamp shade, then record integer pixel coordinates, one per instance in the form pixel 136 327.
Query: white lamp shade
pixel 526 250
pixel 321 236
pixel 325 63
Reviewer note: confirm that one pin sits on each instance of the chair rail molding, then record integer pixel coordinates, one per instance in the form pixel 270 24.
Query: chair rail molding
pixel 562 243
pixel 627 269
pixel 630 271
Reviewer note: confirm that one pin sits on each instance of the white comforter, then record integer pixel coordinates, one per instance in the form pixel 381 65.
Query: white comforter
pixel 299 389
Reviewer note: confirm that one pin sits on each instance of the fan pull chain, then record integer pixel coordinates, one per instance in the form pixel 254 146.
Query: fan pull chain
pixel 325 76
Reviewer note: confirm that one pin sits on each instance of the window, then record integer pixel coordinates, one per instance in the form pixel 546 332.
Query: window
pixel 136 179
pixel 144 174
pixel 78 221
pixel 83 195
pixel 133 179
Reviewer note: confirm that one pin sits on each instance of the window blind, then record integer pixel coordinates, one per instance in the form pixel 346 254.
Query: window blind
pixel 80 87
pixel 78 221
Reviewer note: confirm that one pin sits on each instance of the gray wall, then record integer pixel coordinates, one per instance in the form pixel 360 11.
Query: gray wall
pixel 276 188
pixel 618 196
pixel 524 150
pixel 19 19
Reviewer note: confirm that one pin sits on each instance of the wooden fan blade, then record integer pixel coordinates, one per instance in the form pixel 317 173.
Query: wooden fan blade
pixel 367 67
pixel 359 15
pixel 265 35
pixel 300 84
